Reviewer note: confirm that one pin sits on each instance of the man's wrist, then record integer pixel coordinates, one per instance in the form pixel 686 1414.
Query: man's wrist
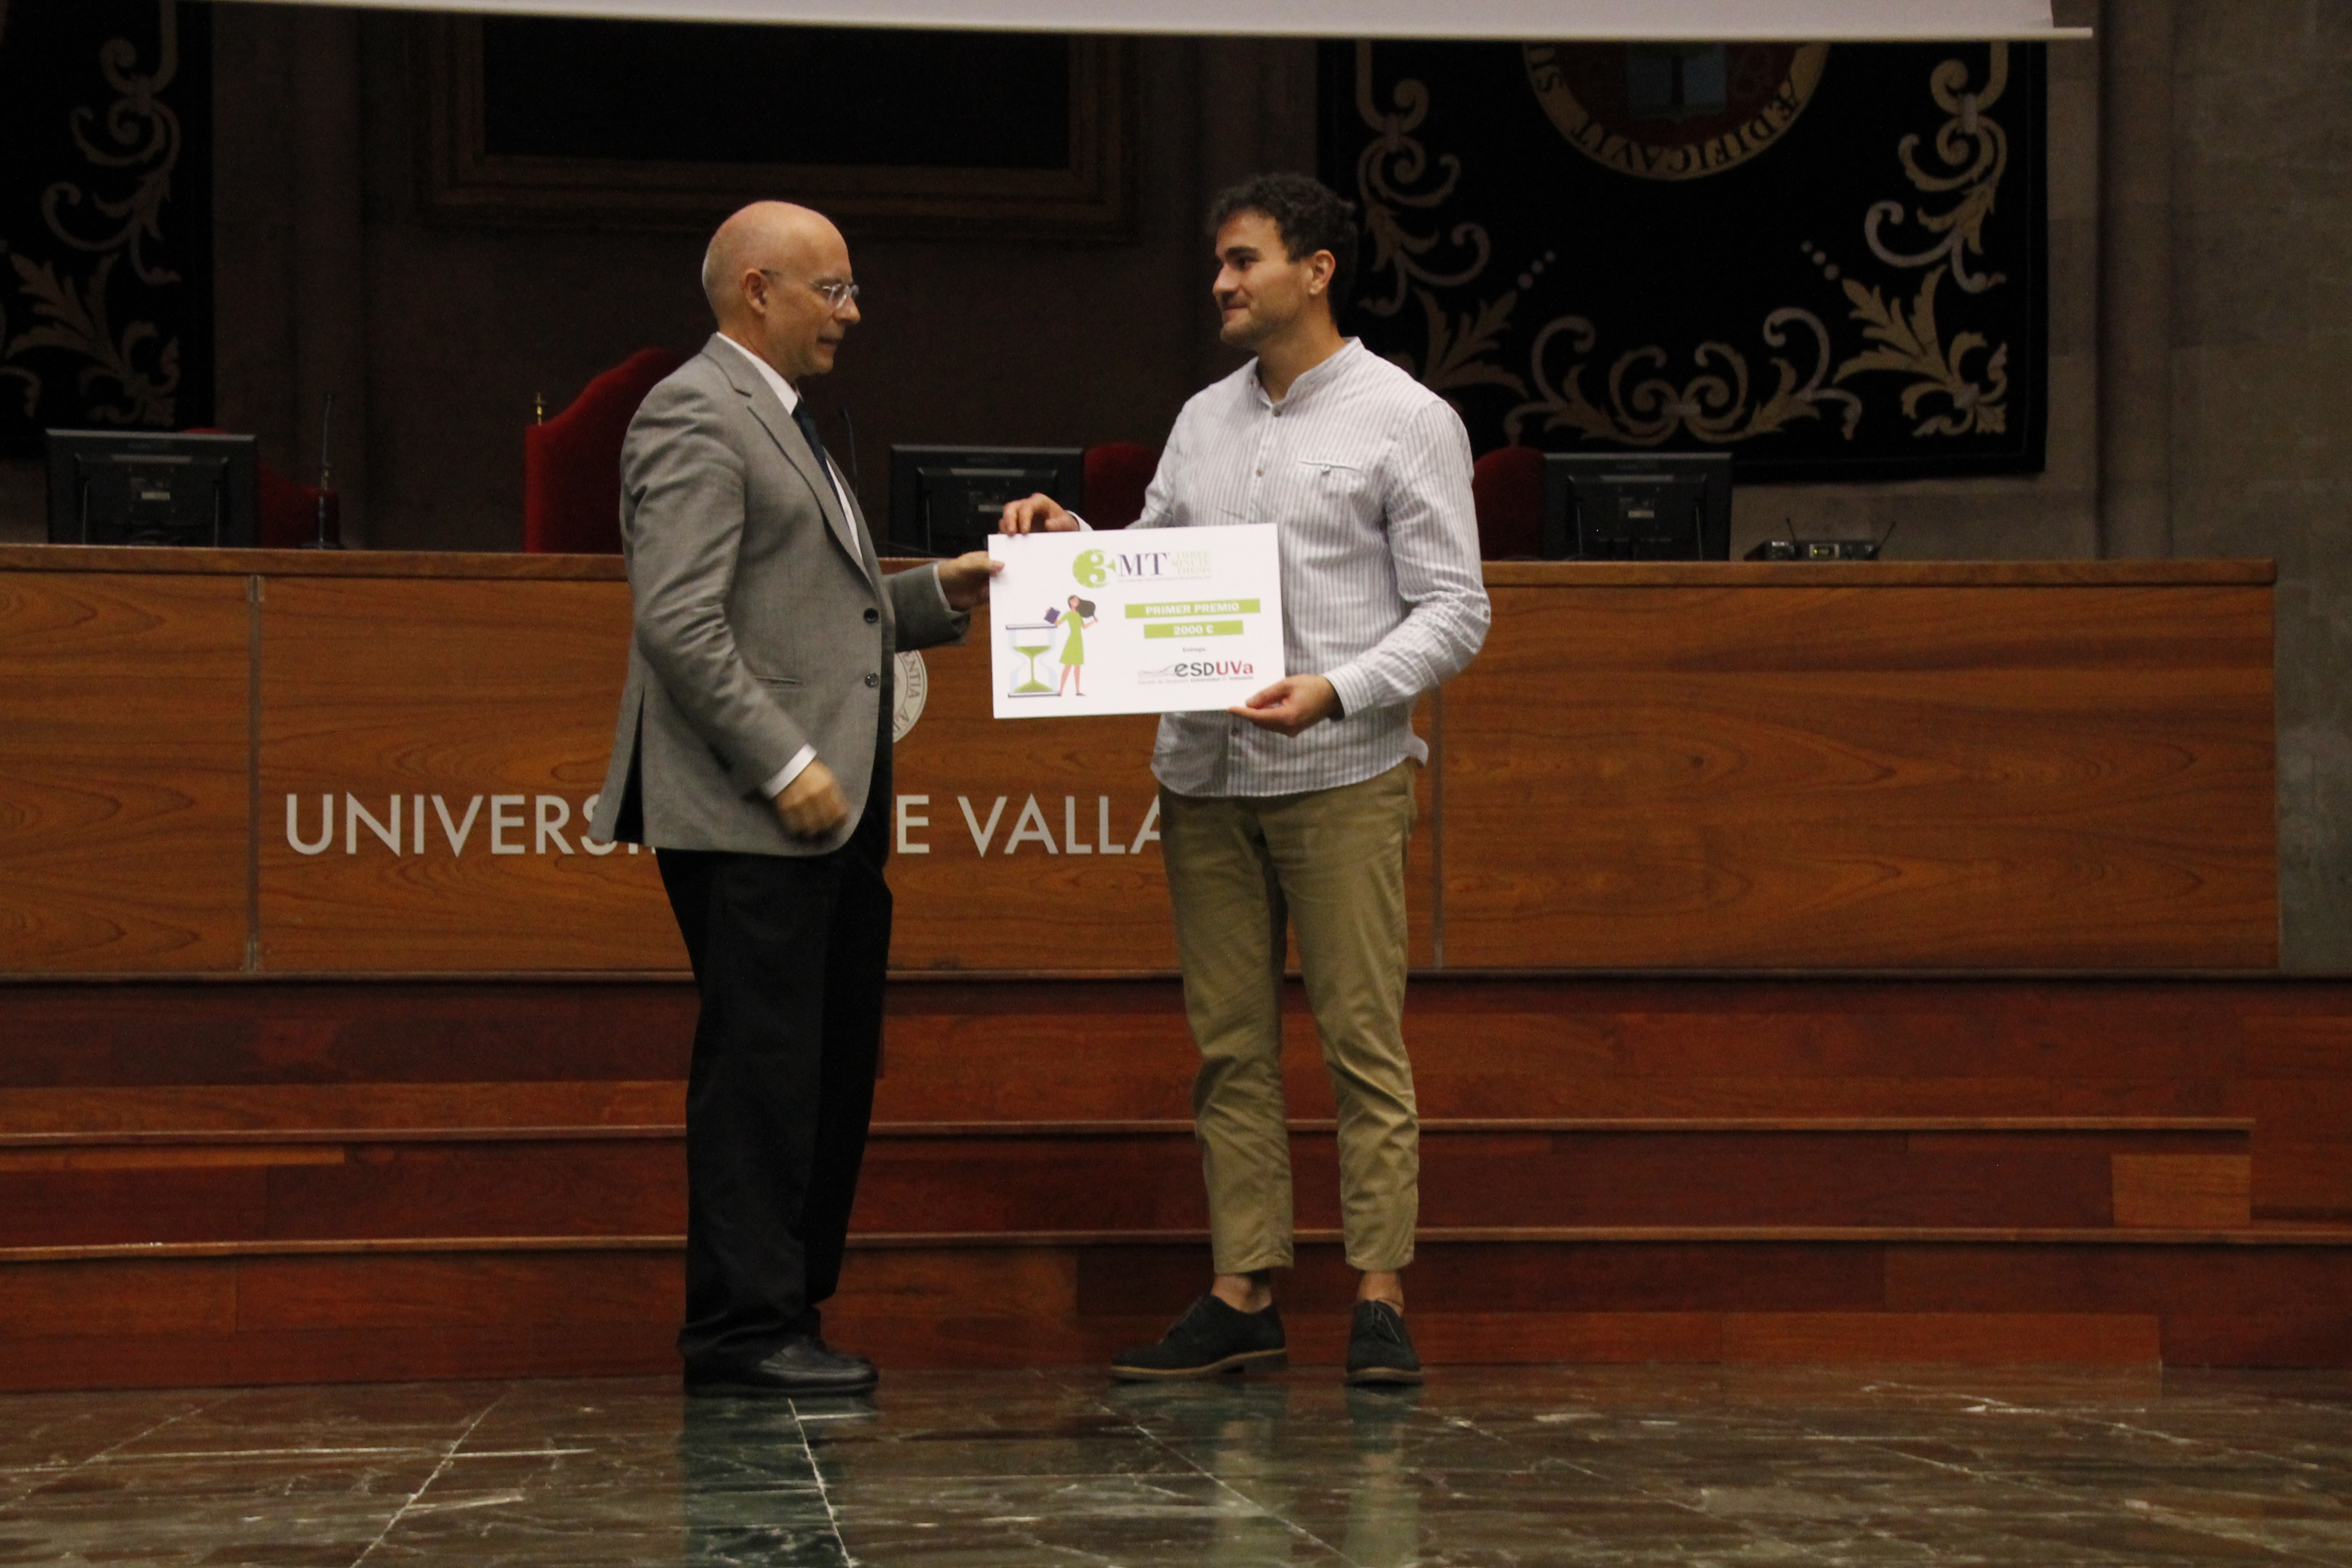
pixel 782 779
pixel 1348 690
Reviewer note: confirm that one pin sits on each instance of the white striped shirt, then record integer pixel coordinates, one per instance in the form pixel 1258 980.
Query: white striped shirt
pixel 1367 474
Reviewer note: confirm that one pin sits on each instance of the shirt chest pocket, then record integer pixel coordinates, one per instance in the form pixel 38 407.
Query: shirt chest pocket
pixel 1340 479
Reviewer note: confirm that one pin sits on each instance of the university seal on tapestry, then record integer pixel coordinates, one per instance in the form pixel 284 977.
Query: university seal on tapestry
pixel 1673 112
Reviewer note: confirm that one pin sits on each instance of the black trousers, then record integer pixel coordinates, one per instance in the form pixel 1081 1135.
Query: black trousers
pixel 789 955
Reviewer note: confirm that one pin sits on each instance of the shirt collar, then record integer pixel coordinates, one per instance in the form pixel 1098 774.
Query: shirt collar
pixel 1307 379
pixel 786 392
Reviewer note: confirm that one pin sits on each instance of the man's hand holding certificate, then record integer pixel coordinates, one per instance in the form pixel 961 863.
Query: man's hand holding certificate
pixel 1142 621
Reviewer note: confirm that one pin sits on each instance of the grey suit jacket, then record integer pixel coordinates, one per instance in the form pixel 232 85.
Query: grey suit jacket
pixel 761 621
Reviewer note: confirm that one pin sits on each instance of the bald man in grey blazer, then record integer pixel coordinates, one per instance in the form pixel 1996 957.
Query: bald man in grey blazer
pixel 753 751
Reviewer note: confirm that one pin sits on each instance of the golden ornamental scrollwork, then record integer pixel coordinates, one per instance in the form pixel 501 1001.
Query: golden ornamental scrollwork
pixel 1717 405
pixel 72 317
pixel 1461 351
pixel 20 374
pixel 1394 176
pixel 16 372
pixel 1975 148
pixel 139 135
pixel 1910 346
pixel 144 133
pixel 1387 171
pixel 1975 151
pixel 1720 403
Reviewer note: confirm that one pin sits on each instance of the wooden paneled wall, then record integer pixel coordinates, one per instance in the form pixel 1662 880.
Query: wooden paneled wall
pixel 295 764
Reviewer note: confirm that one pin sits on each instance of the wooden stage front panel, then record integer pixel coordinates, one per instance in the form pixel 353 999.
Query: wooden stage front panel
pixel 470 723
pixel 1933 776
pixel 294 763
pixel 125 770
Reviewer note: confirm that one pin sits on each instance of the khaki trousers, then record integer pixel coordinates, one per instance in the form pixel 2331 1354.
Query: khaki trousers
pixel 1329 864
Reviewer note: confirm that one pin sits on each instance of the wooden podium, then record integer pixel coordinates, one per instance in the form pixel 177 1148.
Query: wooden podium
pixel 1812 962
pixel 300 763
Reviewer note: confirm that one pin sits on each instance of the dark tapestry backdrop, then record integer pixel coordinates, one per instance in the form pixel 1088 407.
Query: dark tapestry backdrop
pixel 105 216
pixel 1825 260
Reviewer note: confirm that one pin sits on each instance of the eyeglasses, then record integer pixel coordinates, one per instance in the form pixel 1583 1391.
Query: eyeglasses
pixel 836 292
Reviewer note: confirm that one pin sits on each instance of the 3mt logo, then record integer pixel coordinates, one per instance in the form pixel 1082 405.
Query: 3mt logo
pixel 1093 568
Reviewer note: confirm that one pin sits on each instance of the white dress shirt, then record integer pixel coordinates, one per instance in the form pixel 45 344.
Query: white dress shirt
pixel 1366 475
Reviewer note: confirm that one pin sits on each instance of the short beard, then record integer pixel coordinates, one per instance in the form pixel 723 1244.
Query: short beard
pixel 1250 333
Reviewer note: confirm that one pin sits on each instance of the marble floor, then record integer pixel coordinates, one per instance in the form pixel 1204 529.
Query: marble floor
pixel 1628 1467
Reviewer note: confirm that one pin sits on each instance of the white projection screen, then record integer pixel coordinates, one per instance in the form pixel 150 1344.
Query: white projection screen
pixel 1712 20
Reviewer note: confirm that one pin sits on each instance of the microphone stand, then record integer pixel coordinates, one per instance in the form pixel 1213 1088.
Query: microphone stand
pixel 326 480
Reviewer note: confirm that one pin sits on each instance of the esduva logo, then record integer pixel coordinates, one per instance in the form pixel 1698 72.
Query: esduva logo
pixel 1196 670
pixel 1093 568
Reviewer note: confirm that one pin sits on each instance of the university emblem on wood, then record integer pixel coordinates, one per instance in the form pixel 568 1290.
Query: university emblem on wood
pixel 914 685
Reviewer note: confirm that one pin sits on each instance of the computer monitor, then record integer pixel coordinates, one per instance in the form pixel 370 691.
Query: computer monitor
pixel 945 501
pixel 122 487
pixel 1631 506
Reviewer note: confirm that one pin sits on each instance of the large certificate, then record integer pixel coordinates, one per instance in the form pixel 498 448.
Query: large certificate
pixel 1156 620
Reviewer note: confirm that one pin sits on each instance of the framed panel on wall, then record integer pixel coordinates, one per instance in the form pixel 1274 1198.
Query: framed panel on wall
pixel 571 122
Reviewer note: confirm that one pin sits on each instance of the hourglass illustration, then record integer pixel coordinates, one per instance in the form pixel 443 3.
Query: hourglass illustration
pixel 1030 640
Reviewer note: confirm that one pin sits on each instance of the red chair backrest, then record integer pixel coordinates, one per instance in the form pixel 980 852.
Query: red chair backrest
pixel 1507 486
pixel 571 464
pixel 289 512
pixel 286 514
pixel 1118 473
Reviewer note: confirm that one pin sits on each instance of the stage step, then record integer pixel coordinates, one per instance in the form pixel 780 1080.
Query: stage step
pixel 398 1310
pixel 1109 1178
pixel 983 1177
pixel 245 1180
pixel 104 1054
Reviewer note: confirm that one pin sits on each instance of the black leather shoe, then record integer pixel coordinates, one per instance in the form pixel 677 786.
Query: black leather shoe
pixel 1380 1347
pixel 797 1368
pixel 1209 1338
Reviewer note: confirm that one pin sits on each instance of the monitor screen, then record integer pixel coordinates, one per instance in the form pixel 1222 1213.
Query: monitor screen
pixel 120 486
pixel 945 501
pixel 1629 506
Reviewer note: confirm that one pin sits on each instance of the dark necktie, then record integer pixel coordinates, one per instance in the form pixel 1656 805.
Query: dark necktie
pixel 807 422
pixel 879 788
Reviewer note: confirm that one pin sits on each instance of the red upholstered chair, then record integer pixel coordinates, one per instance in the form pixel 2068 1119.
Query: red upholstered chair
pixel 286 514
pixel 1118 473
pixel 571 464
pixel 1507 486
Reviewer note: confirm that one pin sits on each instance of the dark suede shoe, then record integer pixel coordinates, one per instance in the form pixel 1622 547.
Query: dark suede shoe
pixel 1380 1347
pixel 800 1367
pixel 1209 1338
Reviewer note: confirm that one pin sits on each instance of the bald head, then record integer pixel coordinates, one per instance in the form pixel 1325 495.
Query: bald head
pixel 765 276
pixel 776 235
